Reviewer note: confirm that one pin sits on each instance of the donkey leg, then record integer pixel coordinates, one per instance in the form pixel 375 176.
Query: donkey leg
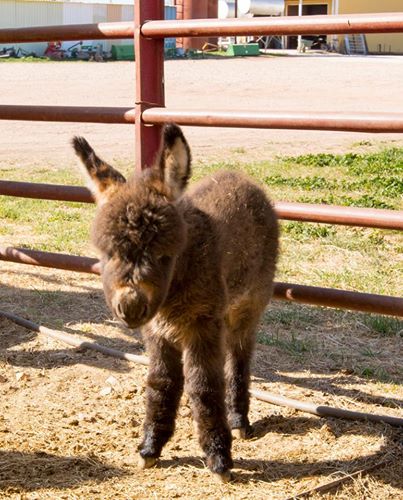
pixel 204 378
pixel 240 344
pixel 163 392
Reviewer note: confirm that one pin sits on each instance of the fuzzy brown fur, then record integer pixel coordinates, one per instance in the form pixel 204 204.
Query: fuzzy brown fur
pixel 194 270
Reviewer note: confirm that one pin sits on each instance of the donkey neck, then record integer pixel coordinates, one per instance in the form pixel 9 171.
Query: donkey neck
pixel 198 270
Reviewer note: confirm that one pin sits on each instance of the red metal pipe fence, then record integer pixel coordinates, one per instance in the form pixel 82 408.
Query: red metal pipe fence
pixel 307 212
pixel 84 114
pixel 342 24
pixel 387 22
pixel 149 114
pixel 347 122
pixel 149 81
pixel 355 301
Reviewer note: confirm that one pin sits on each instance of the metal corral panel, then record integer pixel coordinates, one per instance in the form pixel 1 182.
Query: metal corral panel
pixel 114 13
pixel 77 13
pixel 16 14
pixel 100 13
pixel 7 14
pixel 38 14
pixel 7 17
pixel 127 13
pixel 31 14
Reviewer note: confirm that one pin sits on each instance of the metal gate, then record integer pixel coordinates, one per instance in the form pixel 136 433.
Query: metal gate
pixel 149 30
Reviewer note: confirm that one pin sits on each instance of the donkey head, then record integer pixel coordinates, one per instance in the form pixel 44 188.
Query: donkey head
pixel 138 228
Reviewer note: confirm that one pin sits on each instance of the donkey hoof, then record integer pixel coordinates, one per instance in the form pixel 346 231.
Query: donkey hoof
pixel 223 477
pixel 146 462
pixel 239 433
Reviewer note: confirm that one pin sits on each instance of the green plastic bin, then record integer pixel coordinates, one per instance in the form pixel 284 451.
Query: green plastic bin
pixel 243 49
pixel 123 52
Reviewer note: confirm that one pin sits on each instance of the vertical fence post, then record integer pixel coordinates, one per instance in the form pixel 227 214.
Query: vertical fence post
pixel 149 55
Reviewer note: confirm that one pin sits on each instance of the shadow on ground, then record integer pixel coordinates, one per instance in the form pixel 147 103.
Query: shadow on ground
pixel 24 471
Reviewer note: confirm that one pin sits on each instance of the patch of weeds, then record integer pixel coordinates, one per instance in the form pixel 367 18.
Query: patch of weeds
pixel 384 185
pixel 383 325
pixel 290 344
pixel 373 372
pixel 368 352
pixel 64 216
pixel 288 315
pixel 86 328
pixel 366 201
pixel 9 212
pixel 301 230
pixel 386 162
pixel 239 150
pixel 375 237
pixel 307 183
pixel 363 201
pixel 29 59
pixel 315 160
pixel 361 143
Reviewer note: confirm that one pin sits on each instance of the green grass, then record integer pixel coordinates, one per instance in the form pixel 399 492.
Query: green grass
pixel 317 338
pixel 335 256
pixel 29 59
pixel 384 325
pixel 46 225
pixel 373 372
pixel 290 344
pixel 41 59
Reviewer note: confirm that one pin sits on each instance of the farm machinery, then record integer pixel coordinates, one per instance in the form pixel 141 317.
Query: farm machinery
pixel 55 52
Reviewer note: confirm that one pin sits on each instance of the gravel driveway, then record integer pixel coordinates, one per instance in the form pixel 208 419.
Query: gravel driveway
pixel 316 83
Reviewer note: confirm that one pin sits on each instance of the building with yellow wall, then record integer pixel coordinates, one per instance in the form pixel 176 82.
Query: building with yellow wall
pixel 376 42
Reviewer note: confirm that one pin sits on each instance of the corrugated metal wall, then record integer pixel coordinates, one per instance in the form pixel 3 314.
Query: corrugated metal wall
pixel 17 13
pixel 38 13
pixel 77 13
pixel 7 14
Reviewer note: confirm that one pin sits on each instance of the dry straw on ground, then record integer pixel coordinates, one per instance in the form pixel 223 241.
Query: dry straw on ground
pixel 63 435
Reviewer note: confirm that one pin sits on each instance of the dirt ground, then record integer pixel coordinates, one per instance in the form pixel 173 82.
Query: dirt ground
pixel 317 83
pixel 70 420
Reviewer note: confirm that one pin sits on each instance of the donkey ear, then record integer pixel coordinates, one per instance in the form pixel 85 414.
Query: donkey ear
pixel 103 180
pixel 175 159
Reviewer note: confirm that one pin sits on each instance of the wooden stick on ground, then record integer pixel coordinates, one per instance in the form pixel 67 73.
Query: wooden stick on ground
pixel 323 488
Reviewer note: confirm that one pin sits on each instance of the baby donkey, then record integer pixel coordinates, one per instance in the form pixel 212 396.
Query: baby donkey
pixel 194 269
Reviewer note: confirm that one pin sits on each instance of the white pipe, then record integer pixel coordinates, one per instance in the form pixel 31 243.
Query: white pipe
pixel 322 411
pixel 299 46
pixel 335 12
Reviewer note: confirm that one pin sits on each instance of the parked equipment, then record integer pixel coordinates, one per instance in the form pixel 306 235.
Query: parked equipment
pixel 12 52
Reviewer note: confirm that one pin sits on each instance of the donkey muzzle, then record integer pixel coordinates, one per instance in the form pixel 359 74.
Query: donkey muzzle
pixel 131 307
